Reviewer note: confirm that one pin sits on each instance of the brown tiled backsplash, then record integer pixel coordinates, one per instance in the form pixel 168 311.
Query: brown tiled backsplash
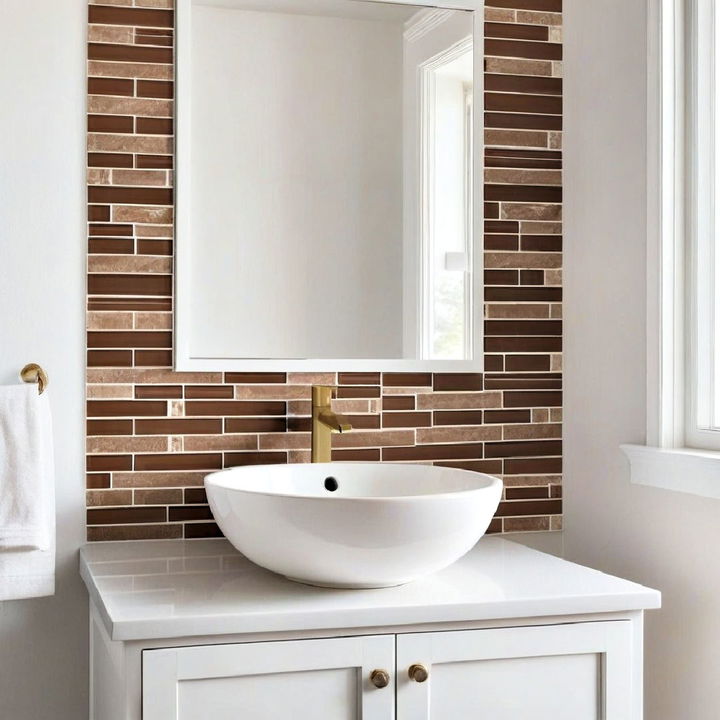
pixel 152 434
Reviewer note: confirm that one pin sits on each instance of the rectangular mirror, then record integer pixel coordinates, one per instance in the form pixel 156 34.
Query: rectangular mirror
pixel 329 187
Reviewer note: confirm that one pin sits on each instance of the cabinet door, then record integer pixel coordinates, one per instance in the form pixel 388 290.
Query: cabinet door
pixel 319 679
pixel 557 672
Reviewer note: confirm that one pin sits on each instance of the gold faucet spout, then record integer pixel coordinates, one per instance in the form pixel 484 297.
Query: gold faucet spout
pixel 324 423
pixel 336 422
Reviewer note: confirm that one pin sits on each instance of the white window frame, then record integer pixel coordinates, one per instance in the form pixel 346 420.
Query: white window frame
pixel 680 454
pixel 427 93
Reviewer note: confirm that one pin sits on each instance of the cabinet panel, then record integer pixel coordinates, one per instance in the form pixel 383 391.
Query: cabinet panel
pixel 564 672
pixel 330 679
pixel 556 687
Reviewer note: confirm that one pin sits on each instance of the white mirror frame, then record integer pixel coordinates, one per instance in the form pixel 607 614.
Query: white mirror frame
pixel 183 359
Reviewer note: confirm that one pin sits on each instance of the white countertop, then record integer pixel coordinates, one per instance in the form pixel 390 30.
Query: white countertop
pixel 181 588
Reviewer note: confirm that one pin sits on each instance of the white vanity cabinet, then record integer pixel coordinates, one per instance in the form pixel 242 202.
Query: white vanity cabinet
pixel 325 679
pixel 189 630
pixel 580 671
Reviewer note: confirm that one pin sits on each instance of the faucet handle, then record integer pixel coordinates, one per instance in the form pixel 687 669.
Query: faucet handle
pixel 322 395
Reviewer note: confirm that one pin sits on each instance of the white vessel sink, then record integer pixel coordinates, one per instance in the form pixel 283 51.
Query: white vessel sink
pixel 352 525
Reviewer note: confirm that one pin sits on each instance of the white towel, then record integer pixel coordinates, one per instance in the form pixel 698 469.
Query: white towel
pixel 27 494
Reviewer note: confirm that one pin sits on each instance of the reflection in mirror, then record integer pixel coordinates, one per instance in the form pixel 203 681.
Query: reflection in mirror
pixel 326 205
pixel 446 108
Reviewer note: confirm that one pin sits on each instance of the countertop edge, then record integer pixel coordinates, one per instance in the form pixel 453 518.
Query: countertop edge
pixel 637 598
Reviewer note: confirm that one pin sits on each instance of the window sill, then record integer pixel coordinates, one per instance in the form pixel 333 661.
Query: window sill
pixel 686 470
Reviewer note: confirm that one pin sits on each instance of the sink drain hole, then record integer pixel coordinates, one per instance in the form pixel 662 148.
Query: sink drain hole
pixel 331 484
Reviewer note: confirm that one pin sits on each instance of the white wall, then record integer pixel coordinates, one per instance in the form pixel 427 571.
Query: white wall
pixel 666 540
pixel 43 642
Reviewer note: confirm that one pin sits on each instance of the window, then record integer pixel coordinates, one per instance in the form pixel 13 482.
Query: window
pixel 683 279
pixel 686 245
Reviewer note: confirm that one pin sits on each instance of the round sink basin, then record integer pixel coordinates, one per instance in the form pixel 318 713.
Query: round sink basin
pixel 352 525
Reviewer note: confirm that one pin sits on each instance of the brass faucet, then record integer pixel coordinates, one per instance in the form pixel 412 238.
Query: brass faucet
pixel 324 423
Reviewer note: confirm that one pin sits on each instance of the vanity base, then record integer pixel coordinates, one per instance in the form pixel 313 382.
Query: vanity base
pixel 187 630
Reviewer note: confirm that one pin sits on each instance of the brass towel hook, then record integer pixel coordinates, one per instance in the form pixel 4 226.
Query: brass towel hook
pixel 33 373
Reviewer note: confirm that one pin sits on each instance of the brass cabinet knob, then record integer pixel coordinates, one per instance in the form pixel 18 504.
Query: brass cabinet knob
pixel 418 673
pixel 380 678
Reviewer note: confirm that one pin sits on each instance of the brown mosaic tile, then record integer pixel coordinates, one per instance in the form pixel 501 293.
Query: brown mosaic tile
pixel 532 399
pixel 458 401
pixel 112 444
pixel 407 379
pixel 226 442
pixel 526 493
pixel 433 452
pixel 541 18
pixel 530 507
pixel 532 431
pixel 152 358
pixel 523 449
pixel 358 392
pixel 221 407
pixel 452 434
pixel 457 381
pixel 523 84
pixel 100 284
pixel 255 425
pixel 179 461
pixel 195 495
pixel 103 15
pixel 108 463
pixel 109 358
pixel 398 402
pixel 515 31
pixel 129 53
pixel 153 433
pixel 158 391
pixel 364 455
pixel 523 294
pixel 458 417
pixel 507 416
pixel 158 497
pixel 523 49
pixel 382 438
pixel 110 86
pixel 153 162
pixel 526 524
pixel 520 344
pixel 539 466
pixel 518 66
pixel 163 89
pixel 134 532
pixel 406 419
pixel 260 378
pixel 201 530
pixel 104 498
pixel 545 5
pixel 157 479
pixel 189 512
pixel 118 408
pixel 491 467
pixel 162 126
pixel 499 15
pixel 253 458
pixel 97 480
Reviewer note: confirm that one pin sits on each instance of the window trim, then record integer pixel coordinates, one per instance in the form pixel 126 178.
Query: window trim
pixel 667 461
pixel 666 231
pixel 701 273
pixel 679 347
